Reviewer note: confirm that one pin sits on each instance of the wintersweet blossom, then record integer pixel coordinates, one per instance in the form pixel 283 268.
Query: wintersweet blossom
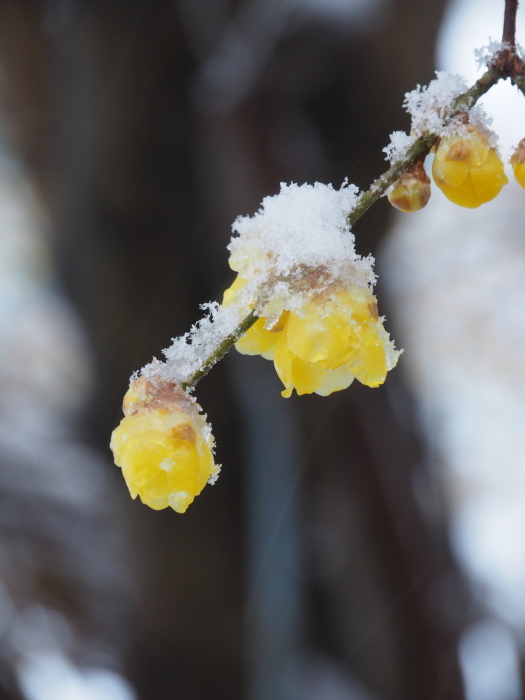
pixel 467 169
pixel 163 445
pixel 298 268
pixel 323 345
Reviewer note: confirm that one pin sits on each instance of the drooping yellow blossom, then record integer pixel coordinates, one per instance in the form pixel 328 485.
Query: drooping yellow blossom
pixel 412 191
pixel 163 446
pixel 467 169
pixel 518 163
pixel 322 346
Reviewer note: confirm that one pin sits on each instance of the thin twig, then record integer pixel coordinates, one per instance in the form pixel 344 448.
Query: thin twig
pixel 509 24
pixel 507 61
pixel 519 82
pixel 423 144
pixel 221 350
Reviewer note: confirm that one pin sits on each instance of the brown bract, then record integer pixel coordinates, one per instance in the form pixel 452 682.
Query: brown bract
pixel 519 154
pixel 508 63
pixel 144 396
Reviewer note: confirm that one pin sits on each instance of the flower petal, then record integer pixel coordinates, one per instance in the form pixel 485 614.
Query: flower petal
pixel 335 380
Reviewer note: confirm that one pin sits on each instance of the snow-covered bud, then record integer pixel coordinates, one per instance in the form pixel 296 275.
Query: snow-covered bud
pixel 467 169
pixel 163 445
pixel 318 319
pixel 518 163
pixel 412 191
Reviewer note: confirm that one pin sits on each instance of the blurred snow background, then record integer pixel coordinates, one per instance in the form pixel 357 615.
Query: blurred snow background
pixel 49 478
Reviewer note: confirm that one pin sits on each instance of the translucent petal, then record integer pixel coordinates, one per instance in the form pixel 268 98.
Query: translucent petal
pixel 143 454
pixel 155 493
pixel 519 172
pixel 335 380
pixel 180 500
pixel 234 263
pixel 369 365
pixel 359 303
pixel 208 470
pixel 449 172
pixel 319 335
pixel 258 340
pixel 306 376
pixel 489 178
pixel 479 150
pixel 464 196
pixel 231 293
pixel 282 361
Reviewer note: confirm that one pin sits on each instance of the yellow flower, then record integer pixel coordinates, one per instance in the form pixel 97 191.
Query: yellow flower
pixel 518 163
pixel 163 446
pixel 467 170
pixel 325 344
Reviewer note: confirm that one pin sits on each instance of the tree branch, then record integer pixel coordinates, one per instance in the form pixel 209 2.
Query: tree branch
pixel 505 64
pixel 509 24
pixel 221 350
pixel 519 82
pixel 423 145
pixel 419 149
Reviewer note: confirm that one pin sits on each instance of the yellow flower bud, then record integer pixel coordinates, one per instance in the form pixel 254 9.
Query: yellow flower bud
pixel 412 191
pixel 518 163
pixel 163 446
pixel 467 169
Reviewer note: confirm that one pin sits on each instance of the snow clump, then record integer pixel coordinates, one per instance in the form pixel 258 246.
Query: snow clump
pixel 297 244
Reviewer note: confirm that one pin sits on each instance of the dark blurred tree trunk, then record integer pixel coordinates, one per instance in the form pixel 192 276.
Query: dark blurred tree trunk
pixel 142 173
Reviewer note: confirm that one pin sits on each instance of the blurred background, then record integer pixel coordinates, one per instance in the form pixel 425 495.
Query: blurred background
pixel 365 546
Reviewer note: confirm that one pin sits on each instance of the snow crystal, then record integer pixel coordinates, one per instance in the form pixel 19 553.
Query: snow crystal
pixel 428 105
pixel 399 144
pixel 215 475
pixel 485 55
pixel 188 353
pixel 298 243
pixel 303 225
